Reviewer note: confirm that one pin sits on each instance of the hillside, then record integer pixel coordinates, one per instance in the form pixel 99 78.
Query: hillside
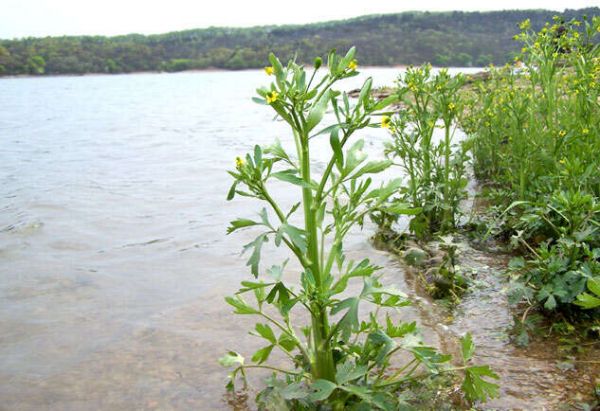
pixel 452 38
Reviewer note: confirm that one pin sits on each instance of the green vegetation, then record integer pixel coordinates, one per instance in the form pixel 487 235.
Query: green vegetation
pixel 536 138
pixel 453 38
pixel 342 359
pixel 436 170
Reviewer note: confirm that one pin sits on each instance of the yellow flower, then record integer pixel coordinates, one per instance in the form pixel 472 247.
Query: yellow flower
pixel 269 70
pixel 353 65
pixel 272 97
pixel 585 131
pixel 562 161
pixel 525 24
pixel 451 106
pixel 239 162
pixel 562 133
pixel 386 121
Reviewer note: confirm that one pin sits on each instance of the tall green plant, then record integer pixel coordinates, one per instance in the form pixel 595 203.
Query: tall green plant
pixel 435 169
pixel 340 358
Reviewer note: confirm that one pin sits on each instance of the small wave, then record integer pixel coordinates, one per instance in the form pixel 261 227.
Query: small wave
pixel 145 243
pixel 23 228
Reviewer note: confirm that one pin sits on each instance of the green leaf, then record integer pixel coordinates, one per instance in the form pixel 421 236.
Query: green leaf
pixel 276 271
pixel 240 223
pixel 254 259
pixel 286 342
pixel 241 307
pixel 280 109
pixel 474 385
pixel 231 192
pixel 259 100
pixel 250 285
pixel 266 332
pixel 337 149
pixel 587 301
pixel 348 371
pixel 550 303
pixel 385 343
pixel 294 391
pixel 349 321
pixel 403 209
pixel 386 102
pixel 373 167
pixel 296 235
pixel 467 347
pixel 277 151
pixel 593 285
pixel 230 359
pixel 365 91
pixel 291 176
pixel 262 355
pixel 279 73
pixel 315 115
pixel 321 390
pixel 347 59
pixel 354 156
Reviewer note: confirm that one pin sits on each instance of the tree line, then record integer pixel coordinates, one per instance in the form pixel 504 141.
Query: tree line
pixel 444 39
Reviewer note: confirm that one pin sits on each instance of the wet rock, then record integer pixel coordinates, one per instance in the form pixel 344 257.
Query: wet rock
pixel 415 257
pixel 439 283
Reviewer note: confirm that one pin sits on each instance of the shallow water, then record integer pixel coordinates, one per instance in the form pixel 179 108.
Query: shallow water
pixel 113 255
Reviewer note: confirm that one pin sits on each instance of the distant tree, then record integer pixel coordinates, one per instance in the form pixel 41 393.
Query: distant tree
pixel 36 65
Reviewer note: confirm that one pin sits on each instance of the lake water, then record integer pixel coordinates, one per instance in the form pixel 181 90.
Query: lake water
pixel 113 256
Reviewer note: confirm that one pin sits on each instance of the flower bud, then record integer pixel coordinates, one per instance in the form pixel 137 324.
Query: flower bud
pixel 318 62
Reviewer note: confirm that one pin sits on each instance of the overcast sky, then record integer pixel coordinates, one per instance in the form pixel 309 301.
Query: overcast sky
pixel 21 18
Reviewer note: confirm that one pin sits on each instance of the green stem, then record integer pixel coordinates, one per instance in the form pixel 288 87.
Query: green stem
pixel 323 366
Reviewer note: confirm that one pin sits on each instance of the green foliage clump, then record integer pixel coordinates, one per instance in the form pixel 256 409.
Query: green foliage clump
pixel 435 169
pixel 343 358
pixel 536 139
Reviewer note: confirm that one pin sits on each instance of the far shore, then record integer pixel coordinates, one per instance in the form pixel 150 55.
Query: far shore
pixel 204 70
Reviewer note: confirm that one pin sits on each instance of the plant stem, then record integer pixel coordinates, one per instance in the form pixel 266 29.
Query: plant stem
pixel 323 366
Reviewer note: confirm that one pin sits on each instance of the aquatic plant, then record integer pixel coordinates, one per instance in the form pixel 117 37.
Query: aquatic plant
pixel 343 357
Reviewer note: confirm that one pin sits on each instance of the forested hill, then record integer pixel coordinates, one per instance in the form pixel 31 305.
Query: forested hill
pixel 452 38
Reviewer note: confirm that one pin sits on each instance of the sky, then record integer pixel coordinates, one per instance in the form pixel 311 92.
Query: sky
pixel 24 18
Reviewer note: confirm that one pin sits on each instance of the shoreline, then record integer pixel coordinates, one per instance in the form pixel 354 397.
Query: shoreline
pixel 204 70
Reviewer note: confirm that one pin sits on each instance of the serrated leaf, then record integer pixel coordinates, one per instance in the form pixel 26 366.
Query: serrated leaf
pixel 241 307
pixel 467 347
pixel 262 355
pixel 230 359
pixel 266 332
pixel 475 387
pixel 296 235
pixel 349 321
pixel 240 223
pixel 254 259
